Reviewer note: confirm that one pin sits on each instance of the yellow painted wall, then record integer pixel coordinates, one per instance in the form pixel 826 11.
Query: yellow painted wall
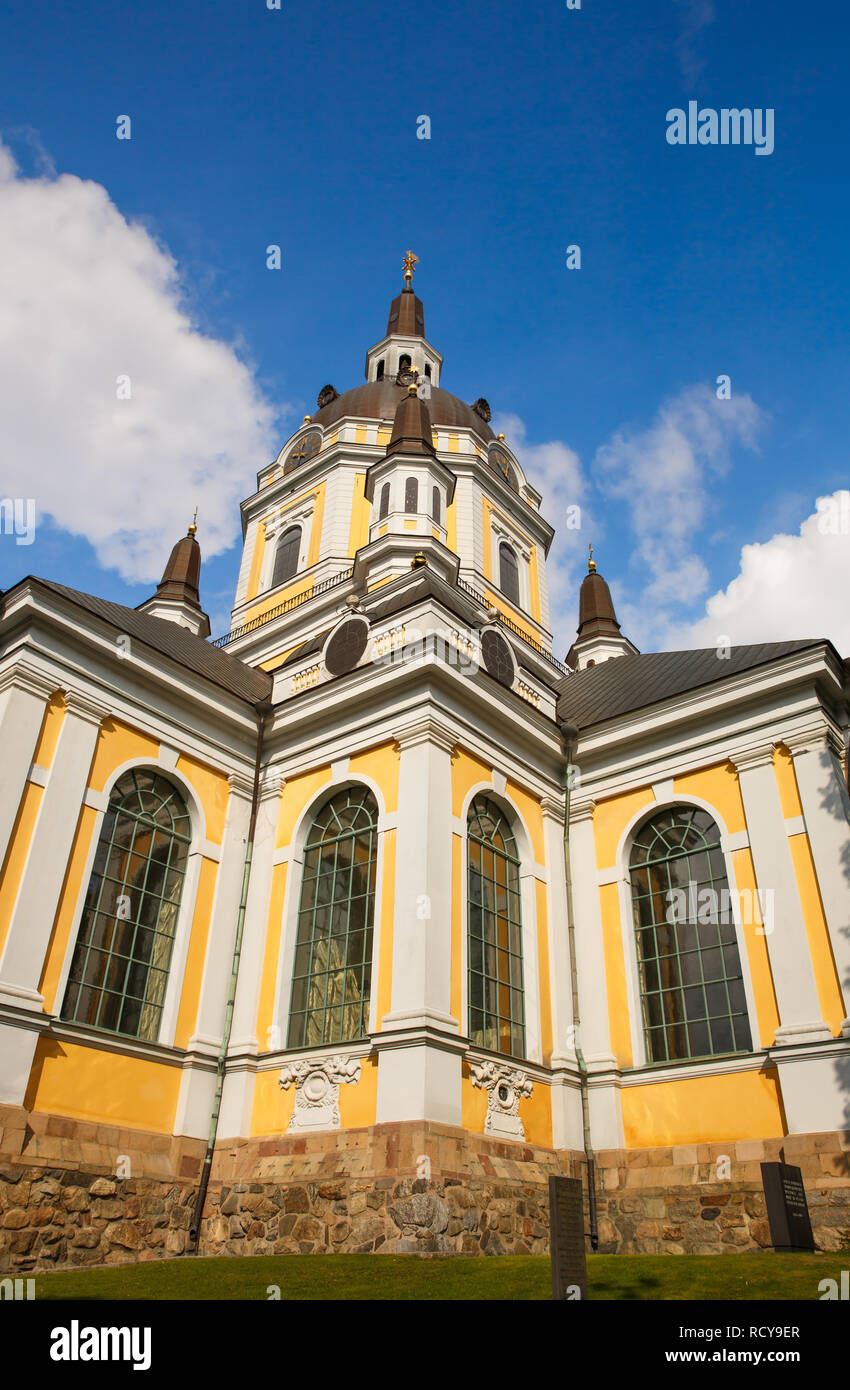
pixel 212 791
pixel 274 932
pixel 741 1105
pixel 256 561
pixel 297 792
pixel 610 819
pixel 758 958
pixel 823 962
pixel 358 1103
pixel 51 727
pixel 64 920
pixel 187 1017
pixel 529 808
pixel 360 511
pixel 786 778
pixel 385 949
pixel 381 763
pixel 534 584
pixel 498 600
pixel 117 743
pixel 718 786
pixel 92 1083
pixel 273 1106
pixel 467 770
pixel 615 975
pixel 535 1110
pixel 451 526
pixel 16 854
pixel 543 972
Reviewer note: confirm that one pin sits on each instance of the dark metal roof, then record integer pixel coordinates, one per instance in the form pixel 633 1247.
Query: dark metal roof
pixel 171 640
pixel 379 400
pixel 624 684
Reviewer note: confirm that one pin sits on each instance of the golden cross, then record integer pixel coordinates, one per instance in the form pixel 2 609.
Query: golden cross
pixel 410 262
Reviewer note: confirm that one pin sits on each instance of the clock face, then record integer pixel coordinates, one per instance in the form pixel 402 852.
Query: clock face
pixel 500 460
pixel 306 448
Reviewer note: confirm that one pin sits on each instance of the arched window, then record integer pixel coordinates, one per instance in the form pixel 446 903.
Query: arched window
pixel 384 506
pixel 496 1007
pixel 120 967
pixel 435 506
pixel 333 950
pixel 411 495
pixel 428 370
pixel 508 573
pixel 404 362
pixel 379 376
pixel 286 556
pixel 691 987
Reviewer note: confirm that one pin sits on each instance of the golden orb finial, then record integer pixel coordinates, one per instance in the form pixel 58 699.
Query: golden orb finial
pixel 410 263
pixel 194 525
pixel 501 437
pixel 591 563
pixel 308 419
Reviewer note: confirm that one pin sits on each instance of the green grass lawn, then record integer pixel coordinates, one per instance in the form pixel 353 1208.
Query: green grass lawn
pixel 306 1277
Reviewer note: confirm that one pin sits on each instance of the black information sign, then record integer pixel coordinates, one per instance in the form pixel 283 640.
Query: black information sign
pixel 787 1208
pixel 566 1239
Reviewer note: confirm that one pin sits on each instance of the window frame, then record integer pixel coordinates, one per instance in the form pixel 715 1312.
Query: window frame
pixel 666 801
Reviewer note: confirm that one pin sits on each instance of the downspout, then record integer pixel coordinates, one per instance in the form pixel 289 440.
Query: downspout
pixel 570 736
pixel 261 711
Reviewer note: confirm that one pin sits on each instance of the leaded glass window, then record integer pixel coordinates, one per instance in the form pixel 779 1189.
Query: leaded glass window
pixel 119 971
pixel 411 495
pixel 691 986
pixel 333 950
pixel 496 1004
pixel 286 556
pixel 384 504
pixel 508 573
pixel 435 506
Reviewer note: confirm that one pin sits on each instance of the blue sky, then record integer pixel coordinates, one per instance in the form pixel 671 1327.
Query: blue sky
pixel 298 127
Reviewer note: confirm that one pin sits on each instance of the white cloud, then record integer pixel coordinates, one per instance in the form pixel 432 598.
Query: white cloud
pixel 787 587
pixel 664 475
pixel 554 469
pixel 697 15
pixel 86 297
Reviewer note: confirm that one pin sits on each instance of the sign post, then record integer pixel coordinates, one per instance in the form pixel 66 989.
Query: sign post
pixel 787 1208
pixel 566 1239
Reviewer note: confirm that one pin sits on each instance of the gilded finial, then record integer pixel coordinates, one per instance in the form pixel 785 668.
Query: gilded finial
pixel 500 436
pixel 591 563
pixel 410 263
pixel 308 419
pixel 194 526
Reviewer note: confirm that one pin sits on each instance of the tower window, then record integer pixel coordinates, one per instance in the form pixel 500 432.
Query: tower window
pixel 411 495
pixel 384 504
pixel 428 370
pixel 333 950
pixel 435 506
pixel 691 987
pixel 508 573
pixel 121 960
pixel 286 556
pixel 379 376
pixel 404 362
pixel 496 1004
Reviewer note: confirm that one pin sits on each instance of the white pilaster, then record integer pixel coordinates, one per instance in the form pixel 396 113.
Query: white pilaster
pixel 593 1034
pixel 24 693
pixel 826 811
pixel 41 884
pixel 566 1095
pixel 787 943
pixel 419 1072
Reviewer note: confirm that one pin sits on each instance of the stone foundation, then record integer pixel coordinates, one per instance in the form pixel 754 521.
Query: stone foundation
pixel 394 1189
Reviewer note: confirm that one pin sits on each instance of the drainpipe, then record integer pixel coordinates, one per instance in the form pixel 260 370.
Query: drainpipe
pixel 570 736
pixel 261 710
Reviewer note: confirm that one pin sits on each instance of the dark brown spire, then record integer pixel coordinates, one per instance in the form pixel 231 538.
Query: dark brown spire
pixel 595 606
pixel 182 574
pixel 407 315
pixel 411 426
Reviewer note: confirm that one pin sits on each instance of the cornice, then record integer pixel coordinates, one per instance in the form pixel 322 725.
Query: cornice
pixel 427 729
pixel 24 677
pixel 83 706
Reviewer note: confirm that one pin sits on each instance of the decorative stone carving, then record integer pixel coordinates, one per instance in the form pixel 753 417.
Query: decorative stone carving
pixel 482 408
pixel 505 1086
pixel 317 1081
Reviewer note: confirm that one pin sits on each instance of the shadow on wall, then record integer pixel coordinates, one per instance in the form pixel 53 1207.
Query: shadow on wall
pixel 839 806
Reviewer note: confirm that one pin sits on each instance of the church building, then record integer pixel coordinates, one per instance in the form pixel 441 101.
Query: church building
pixel 346 930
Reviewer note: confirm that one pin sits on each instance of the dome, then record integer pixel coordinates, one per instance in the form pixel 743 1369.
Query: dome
pixel 379 400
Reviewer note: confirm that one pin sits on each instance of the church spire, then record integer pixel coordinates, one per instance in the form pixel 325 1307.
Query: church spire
pixel 177 598
pixel 412 425
pixel 407 314
pixel 598 636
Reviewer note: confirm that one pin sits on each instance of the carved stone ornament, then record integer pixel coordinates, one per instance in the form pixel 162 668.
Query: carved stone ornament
pixel 327 396
pixel 505 1086
pixel 482 408
pixel 317 1081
